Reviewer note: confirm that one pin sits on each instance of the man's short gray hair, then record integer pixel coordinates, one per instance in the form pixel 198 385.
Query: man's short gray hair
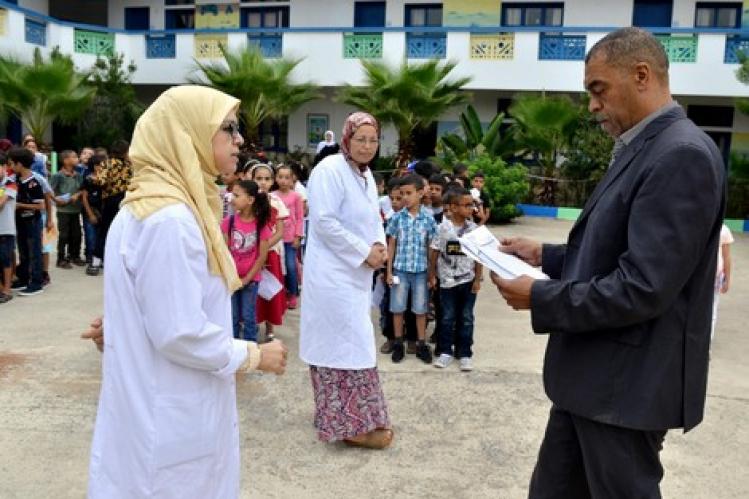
pixel 626 47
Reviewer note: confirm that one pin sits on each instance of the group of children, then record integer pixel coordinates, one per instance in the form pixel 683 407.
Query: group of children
pixel 263 225
pixel 70 205
pixel 425 212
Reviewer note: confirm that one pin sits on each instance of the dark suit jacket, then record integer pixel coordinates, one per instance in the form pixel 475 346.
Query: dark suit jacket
pixel 629 305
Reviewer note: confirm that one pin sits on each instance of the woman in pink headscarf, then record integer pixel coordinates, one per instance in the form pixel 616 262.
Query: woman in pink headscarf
pixel 346 244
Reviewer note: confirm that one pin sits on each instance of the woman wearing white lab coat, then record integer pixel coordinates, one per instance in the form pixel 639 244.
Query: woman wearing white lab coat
pixel 346 243
pixel 166 425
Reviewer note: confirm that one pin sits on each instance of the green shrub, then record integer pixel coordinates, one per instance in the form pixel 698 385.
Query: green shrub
pixel 505 184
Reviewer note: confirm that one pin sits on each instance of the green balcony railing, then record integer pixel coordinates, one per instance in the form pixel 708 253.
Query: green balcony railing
pixel 94 42
pixel 362 46
pixel 680 48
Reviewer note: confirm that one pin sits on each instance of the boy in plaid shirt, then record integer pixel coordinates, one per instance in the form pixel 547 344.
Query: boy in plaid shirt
pixel 410 230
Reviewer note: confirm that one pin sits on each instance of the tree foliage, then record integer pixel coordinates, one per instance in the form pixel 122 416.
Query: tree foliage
pixel 264 86
pixel 409 96
pixel 43 91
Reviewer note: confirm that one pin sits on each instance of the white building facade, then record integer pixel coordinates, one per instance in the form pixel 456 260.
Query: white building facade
pixel 506 47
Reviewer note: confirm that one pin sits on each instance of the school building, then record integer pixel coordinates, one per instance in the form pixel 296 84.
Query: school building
pixel 505 46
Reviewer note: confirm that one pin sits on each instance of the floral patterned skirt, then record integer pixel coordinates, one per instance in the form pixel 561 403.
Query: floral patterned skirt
pixel 348 402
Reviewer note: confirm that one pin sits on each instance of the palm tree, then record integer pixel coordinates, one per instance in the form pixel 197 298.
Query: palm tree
pixel 44 91
pixel 408 96
pixel 476 141
pixel 263 86
pixel 543 128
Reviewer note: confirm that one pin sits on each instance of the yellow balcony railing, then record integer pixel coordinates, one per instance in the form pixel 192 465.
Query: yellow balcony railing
pixel 493 47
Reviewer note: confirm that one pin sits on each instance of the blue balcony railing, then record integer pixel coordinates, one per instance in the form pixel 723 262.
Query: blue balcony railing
pixel 734 45
pixel 161 47
pixel 36 32
pixel 426 46
pixel 271 46
pixel 560 47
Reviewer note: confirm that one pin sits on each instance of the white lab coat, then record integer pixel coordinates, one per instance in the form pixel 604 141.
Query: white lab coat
pixel 166 426
pixel 344 223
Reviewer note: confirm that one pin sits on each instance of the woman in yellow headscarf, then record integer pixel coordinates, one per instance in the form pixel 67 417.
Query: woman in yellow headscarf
pixel 167 419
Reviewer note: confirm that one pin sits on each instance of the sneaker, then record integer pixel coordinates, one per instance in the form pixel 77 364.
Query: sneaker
pixel 398 351
pixel 64 264
pixel 92 270
pixel 466 364
pixel 16 285
pixel 291 305
pixel 79 262
pixel 443 361
pixel 424 353
pixel 31 291
pixel 411 348
pixel 5 298
pixel 387 347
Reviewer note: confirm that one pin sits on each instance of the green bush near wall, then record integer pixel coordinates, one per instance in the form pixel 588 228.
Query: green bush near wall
pixel 505 184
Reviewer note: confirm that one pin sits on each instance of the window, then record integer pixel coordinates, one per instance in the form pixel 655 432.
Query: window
pixel 179 2
pixel 265 17
pixel 717 15
pixel 532 14
pixel 712 116
pixel 274 134
pixel 369 14
pixel 179 19
pixel 424 15
pixel 137 18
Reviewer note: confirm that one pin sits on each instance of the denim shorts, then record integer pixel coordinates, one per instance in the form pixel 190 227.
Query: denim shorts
pixel 7 245
pixel 416 284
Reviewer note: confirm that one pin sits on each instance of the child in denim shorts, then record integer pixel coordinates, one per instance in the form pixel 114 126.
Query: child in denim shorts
pixel 410 231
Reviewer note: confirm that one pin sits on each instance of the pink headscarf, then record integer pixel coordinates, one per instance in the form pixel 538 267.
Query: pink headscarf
pixel 352 124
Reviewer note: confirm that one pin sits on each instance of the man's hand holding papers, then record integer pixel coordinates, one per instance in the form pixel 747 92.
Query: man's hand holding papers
pixel 512 263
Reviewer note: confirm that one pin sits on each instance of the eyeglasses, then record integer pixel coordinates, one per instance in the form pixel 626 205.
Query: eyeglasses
pixel 230 127
pixel 362 141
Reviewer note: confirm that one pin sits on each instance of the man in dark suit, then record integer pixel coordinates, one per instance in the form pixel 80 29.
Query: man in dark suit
pixel 628 303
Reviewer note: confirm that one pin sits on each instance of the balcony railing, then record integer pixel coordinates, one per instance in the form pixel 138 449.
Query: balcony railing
pixel 94 42
pixel 271 46
pixel 3 21
pixel 208 46
pixel 561 47
pixel 734 45
pixel 161 47
pixel 493 47
pixel 484 43
pixel 680 48
pixel 36 32
pixel 426 46
pixel 362 46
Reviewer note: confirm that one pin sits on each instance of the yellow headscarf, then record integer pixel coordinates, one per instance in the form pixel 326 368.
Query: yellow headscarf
pixel 172 159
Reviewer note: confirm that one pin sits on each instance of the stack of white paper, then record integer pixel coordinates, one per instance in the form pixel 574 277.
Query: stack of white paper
pixel 483 247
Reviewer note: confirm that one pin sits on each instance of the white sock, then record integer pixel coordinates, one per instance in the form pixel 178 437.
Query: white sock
pixel 96 262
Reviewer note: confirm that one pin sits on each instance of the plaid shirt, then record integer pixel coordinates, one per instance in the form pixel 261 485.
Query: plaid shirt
pixel 413 235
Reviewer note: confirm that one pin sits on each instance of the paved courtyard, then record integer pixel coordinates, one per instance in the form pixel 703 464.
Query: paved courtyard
pixel 458 435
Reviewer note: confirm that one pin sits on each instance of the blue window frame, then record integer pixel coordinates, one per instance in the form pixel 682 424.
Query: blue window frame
pixel 137 18
pixel 264 17
pixel 424 15
pixel 652 13
pixel 179 18
pixel 532 14
pixel 369 14
pixel 717 15
pixel 423 45
pixel 270 44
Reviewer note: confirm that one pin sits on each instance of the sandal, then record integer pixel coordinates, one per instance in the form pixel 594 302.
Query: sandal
pixel 381 438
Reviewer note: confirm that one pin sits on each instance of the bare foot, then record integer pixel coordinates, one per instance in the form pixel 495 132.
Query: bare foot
pixel 381 438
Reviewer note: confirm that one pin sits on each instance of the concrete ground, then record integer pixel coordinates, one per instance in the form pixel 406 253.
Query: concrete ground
pixel 458 435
